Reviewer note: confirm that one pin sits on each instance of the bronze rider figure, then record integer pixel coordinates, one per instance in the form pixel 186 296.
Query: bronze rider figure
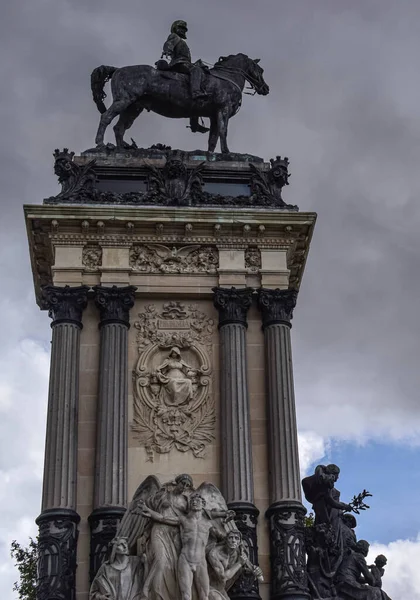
pixel 176 49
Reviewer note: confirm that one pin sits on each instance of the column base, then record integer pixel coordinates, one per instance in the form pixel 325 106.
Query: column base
pixel 246 519
pixel 57 554
pixel 287 551
pixel 103 527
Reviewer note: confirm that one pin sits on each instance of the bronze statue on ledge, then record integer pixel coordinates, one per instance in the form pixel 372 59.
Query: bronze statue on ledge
pixel 179 89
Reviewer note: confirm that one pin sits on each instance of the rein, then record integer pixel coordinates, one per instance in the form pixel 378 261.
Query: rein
pixel 227 79
pixel 236 70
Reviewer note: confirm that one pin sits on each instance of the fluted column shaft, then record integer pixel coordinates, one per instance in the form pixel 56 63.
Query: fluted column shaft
pixel 236 444
pixel 237 476
pixel 111 450
pixel 110 492
pixel 58 519
pixel 60 464
pixel 284 475
pixel 286 512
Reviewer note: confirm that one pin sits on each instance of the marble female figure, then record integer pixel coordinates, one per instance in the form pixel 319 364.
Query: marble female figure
pixel 175 376
pixel 120 577
pixel 164 543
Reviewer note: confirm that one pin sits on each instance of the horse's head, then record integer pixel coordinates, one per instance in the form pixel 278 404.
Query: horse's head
pixel 255 74
pixel 250 69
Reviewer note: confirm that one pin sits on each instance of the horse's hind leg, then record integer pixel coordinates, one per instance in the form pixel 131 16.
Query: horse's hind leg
pixel 127 118
pixel 214 134
pixel 115 109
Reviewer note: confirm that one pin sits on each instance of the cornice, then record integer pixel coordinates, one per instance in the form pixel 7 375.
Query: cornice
pixel 49 226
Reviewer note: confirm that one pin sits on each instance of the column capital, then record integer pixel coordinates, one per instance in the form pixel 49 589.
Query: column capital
pixel 276 306
pixel 65 304
pixel 232 304
pixel 114 303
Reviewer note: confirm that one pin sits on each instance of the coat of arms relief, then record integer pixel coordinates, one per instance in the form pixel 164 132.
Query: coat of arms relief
pixel 172 380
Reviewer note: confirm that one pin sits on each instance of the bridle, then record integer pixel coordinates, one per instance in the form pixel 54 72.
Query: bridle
pixel 253 82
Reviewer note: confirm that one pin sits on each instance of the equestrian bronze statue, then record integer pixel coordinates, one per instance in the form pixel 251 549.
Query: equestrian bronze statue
pixel 178 89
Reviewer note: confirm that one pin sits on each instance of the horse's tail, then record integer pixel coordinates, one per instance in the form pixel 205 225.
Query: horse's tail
pixel 98 79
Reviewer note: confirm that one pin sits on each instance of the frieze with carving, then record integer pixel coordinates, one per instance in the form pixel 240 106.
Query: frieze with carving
pixel 253 259
pixel 92 257
pixel 156 258
pixel 172 380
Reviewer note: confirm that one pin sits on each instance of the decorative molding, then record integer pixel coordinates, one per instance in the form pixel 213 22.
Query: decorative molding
pixel 246 519
pixel 179 181
pixel 276 306
pixel 253 259
pixel 57 547
pixel 173 403
pixel 114 304
pixel 103 526
pixel 92 257
pixel 232 304
pixel 290 232
pixel 65 304
pixel 131 240
pixel 156 258
pixel 287 551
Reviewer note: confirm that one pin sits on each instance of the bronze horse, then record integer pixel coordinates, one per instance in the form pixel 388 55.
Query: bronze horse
pixel 167 93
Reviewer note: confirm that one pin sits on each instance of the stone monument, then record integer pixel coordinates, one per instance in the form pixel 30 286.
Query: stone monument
pixel 171 277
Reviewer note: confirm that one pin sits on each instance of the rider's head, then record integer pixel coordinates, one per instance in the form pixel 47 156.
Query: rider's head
pixel 180 28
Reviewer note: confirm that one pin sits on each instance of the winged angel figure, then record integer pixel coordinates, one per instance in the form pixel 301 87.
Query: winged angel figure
pixel 157 527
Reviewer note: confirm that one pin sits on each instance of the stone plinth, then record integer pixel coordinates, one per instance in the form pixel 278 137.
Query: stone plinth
pixel 167 239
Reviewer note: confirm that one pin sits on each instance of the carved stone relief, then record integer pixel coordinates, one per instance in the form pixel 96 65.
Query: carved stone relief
pixel 92 257
pixel 253 259
pixel 173 401
pixel 156 258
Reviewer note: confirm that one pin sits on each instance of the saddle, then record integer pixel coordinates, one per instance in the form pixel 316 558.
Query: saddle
pixel 166 71
pixel 168 74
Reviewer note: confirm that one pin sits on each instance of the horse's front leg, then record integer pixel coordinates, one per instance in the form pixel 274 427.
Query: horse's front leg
pixel 214 134
pixel 222 126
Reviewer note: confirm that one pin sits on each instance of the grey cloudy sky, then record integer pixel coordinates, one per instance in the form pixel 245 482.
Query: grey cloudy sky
pixel 344 106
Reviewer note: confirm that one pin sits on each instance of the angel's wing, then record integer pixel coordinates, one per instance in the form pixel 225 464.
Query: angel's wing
pixel 215 501
pixel 133 523
pixel 185 251
pixel 162 251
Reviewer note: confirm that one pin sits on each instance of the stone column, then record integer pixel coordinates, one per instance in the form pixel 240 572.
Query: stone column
pixel 58 519
pixel 236 445
pixel 286 512
pixel 110 492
